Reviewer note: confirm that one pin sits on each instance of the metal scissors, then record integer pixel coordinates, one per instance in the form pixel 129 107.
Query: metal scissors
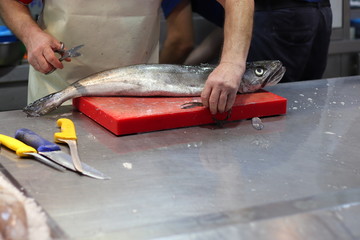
pixel 72 52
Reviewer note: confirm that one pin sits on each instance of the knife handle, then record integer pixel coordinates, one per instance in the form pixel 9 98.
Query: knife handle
pixel 32 139
pixel 19 147
pixel 67 130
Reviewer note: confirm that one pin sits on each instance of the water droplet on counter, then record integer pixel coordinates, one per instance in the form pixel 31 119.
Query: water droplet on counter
pixel 257 123
pixel 127 165
pixel 330 133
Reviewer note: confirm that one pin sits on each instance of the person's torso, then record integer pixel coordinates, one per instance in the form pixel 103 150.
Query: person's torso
pixel 115 33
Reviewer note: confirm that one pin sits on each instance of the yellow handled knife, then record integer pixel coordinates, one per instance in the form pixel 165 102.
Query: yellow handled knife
pixel 68 135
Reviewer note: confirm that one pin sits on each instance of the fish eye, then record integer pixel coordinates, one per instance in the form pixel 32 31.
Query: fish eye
pixel 259 72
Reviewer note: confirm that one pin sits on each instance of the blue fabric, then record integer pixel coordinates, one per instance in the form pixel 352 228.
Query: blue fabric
pixel 298 37
pixel 168 6
pixel 209 9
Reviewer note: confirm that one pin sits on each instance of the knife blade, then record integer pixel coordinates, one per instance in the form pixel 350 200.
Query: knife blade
pixel 53 152
pixel 23 150
pixel 68 136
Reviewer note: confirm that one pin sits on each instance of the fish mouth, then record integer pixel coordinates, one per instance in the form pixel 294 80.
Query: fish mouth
pixel 276 75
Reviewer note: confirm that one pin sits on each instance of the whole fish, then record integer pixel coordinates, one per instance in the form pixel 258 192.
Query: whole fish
pixel 155 80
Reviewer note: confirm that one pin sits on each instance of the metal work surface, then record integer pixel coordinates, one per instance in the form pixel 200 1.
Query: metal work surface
pixel 297 178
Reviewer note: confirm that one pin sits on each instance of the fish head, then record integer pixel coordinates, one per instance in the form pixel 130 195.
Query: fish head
pixel 260 74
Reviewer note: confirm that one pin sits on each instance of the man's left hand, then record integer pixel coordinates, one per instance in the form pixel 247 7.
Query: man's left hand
pixel 221 87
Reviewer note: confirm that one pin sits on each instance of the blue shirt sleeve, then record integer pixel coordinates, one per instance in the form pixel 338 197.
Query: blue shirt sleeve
pixel 168 6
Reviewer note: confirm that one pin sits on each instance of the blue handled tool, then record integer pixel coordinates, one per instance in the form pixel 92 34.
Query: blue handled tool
pixel 53 152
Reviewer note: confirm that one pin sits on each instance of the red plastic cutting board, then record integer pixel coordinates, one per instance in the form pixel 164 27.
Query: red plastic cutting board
pixel 127 115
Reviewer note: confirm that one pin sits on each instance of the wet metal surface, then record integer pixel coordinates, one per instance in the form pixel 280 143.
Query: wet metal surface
pixel 297 178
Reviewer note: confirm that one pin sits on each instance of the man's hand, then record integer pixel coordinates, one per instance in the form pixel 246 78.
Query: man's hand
pixel 41 55
pixel 221 87
pixel 39 45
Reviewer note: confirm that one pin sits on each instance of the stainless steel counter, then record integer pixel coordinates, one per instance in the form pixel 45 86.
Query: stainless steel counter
pixel 298 178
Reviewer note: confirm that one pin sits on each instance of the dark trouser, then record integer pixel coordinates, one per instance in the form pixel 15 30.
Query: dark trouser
pixel 299 37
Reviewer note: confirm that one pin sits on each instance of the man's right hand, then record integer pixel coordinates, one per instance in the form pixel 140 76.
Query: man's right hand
pixel 40 47
pixel 39 44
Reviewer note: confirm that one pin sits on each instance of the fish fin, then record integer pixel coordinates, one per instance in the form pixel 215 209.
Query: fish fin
pixel 188 105
pixel 43 105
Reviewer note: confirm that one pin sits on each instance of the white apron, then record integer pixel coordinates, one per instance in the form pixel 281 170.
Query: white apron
pixel 115 33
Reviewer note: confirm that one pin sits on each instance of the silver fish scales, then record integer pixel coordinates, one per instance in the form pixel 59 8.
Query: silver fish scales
pixel 155 80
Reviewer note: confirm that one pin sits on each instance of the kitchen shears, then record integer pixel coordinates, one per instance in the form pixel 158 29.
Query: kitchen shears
pixel 72 52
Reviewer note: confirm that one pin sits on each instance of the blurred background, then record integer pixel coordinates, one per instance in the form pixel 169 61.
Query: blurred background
pixel 343 58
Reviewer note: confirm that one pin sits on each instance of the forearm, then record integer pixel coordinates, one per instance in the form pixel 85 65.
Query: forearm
pixel 179 40
pixel 237 30
pixel 40 46
pixel 18 18
pixel 223 83
pixel 208 50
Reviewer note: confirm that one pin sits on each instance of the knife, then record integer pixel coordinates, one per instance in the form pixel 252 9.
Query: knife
pixel 23 150
pixel 54 153
pixel 68 136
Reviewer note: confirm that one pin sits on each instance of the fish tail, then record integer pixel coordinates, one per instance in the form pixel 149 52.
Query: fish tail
pixel 43 105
